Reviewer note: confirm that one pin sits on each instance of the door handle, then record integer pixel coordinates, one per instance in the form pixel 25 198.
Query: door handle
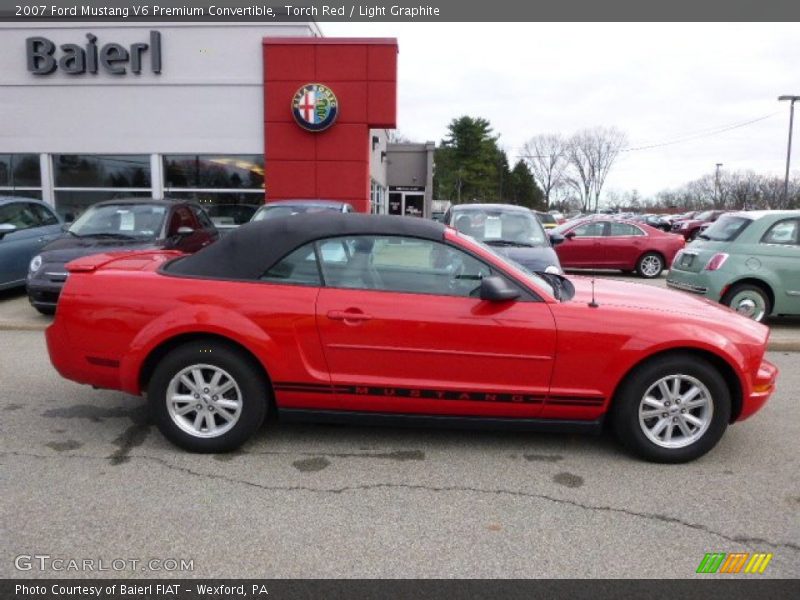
pixel 346 315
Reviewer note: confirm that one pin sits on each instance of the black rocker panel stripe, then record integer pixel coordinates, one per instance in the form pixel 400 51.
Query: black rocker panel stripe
pixel 429 394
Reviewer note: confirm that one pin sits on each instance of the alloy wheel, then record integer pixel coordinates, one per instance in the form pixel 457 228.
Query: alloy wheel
pixel 204 400
pixel 650 266
pixel 676 411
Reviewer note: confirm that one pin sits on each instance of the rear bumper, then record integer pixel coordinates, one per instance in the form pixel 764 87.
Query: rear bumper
pixel 762 388
pixel 705 283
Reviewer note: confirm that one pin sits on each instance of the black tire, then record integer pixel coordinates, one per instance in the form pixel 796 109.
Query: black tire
pixel 644 268
pixel 252 395
pixel 729 299
pixel 46 310
pixel 625 410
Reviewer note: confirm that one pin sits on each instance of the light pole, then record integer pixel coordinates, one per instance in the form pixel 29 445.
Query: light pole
pixel 716 186
pixel 792 100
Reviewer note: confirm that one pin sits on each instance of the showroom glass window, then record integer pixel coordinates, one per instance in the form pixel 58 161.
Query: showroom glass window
pixel 230 187
pixel 81 180
pixel 20 175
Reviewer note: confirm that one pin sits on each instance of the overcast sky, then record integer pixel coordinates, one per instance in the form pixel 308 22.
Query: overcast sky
pixel 658 82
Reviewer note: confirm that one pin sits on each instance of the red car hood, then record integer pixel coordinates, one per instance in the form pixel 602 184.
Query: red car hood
pixel 651 298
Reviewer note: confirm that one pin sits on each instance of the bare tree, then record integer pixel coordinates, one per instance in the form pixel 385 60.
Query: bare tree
pixel 592 153
pixel 744 190
pixel 581 171
pixel 546 156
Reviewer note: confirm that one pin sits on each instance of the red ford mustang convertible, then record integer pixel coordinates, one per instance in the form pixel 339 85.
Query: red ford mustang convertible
pixel 401 320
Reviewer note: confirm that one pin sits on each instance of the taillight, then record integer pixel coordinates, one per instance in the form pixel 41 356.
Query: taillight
pixel 716 261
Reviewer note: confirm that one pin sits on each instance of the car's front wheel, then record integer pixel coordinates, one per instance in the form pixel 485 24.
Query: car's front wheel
pixel 650 265
pixel 672 409
pixel 208 397
pixel 748 300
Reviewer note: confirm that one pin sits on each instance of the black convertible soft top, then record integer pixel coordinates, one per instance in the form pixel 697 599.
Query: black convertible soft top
pixel 255 247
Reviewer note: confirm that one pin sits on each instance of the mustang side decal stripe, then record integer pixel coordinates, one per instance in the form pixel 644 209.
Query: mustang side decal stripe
pixel 430 394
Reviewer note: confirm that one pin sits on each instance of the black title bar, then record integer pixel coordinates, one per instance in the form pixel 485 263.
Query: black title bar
pixel 402 10
pixel 287 589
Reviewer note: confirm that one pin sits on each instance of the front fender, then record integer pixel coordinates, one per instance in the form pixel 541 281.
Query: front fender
pixel 192 319
pixel 683 336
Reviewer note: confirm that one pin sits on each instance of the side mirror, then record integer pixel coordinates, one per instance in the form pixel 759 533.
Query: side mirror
pixel 556 238
pixel 6 228
pixel 495 289
pixel 184 231
pixel 569 235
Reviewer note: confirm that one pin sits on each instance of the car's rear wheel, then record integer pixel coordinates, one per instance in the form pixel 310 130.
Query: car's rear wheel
pixel 672 409
pixel 46 310
pixel 748 300
pixel 650 265
pixel 208 397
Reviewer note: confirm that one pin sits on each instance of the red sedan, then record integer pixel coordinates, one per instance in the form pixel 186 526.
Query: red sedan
pixel 377 320
pixel 611 244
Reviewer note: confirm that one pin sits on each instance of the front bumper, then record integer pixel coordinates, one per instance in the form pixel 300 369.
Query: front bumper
pixel 43 292
pixel 762 388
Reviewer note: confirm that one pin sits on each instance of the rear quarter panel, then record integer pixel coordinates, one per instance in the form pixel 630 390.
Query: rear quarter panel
pixel 118 317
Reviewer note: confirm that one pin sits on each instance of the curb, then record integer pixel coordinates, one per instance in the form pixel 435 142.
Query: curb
pixel 784 345
pixel 791 345
pixel 13 326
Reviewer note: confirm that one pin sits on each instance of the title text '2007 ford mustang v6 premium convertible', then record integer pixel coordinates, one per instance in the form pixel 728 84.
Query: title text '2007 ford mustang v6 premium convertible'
pixel 384 319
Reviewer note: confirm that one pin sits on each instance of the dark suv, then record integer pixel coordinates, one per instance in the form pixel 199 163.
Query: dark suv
pixel 113 226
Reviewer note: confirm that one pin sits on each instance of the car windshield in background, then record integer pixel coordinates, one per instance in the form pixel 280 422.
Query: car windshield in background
pixel 538 279
pixel 223 215
pixel 546 218
pixel 135 221
pixel 703 216
pixel 285 210
pixel 726 229
pixel 498 227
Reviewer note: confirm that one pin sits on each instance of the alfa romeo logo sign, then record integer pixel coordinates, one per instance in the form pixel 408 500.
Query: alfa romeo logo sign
pixel 315 107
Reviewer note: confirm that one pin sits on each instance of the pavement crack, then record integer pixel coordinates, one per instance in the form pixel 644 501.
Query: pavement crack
pixel 752 542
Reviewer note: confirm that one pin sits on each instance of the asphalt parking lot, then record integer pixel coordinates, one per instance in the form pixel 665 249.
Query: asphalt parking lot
pixel 85 476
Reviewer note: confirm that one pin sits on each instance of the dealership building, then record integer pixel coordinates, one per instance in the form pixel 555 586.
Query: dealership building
pixel 234 113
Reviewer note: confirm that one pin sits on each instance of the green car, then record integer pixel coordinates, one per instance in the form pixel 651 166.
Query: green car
pixel 749 261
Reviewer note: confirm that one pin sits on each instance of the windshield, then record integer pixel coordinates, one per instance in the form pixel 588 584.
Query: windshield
pixel 499 226
pixel 546 218
pixel 230 214
pixel 726 229
pixel 538 280
pixel 703 216
pixel 135 221
pixel 287 210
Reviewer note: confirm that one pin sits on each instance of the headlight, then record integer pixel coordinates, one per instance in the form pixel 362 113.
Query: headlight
pixel 553 270
pixel 36 264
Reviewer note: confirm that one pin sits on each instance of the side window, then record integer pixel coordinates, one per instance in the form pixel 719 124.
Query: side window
pixel 401 264
pixel 45 215
pixel 202 218
pixel 297 268
pixel 624 229
pixel 20 214
pixel 782 232
pixel 589 230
